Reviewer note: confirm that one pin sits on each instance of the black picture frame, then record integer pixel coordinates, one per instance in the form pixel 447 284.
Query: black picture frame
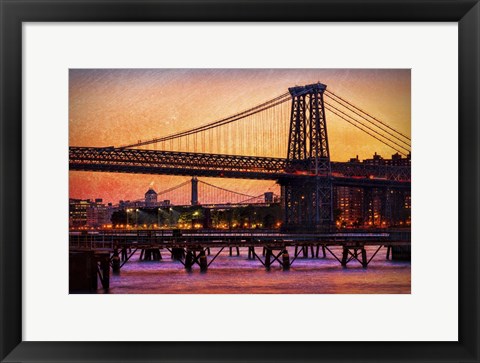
pixel 14 12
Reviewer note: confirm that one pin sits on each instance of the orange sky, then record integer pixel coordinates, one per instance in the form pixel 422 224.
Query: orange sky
pixel 117 107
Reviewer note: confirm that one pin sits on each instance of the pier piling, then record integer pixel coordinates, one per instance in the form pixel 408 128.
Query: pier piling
pixel 344 256
pixel 285 260
pixel 203 261
pixel 364 258
pixel 105 276
pixel 401 253
pixel 251 253
pixel 115 261
pixel 178 254
pixel 188 260
pixel 268 256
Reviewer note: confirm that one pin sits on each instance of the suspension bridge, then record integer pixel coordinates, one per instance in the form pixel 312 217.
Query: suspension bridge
pixel 284 139
pixel 195 191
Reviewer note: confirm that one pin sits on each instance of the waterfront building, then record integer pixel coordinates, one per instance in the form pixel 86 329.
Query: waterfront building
pixel 348 203
pixel 78 212
pixel 99 214
pixel 150 198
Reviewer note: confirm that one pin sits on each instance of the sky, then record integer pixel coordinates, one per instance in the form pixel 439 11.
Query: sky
pixel 121 106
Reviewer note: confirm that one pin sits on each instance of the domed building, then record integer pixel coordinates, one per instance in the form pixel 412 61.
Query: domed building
pixel 151 198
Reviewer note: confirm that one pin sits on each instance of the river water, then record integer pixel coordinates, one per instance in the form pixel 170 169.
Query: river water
pixel 238 275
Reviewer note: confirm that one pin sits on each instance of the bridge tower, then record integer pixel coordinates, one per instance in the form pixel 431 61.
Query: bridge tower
pixel 194 193
pixel 308 200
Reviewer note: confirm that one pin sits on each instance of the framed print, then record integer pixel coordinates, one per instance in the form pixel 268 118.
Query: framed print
pixel 239 181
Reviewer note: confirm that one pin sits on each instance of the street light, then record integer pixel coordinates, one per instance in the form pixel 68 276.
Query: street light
pixel 170 216
pixel 128 210
pixel 195 214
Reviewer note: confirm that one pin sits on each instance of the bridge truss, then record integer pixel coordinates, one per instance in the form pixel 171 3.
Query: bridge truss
pixel 138 161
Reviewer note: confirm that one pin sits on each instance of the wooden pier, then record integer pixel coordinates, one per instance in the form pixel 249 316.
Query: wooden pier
pixel 114 248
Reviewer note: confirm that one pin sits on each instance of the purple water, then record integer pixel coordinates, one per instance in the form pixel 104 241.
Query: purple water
pixel 238 275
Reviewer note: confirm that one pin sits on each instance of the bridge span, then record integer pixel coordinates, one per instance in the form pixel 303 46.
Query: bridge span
pixel 139 161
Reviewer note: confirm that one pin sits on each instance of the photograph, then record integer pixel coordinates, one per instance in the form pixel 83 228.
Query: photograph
pixel 239 181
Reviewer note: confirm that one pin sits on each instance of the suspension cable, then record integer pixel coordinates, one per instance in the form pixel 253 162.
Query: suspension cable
pixel 226 190
pixel 369 121
pixel 261 107
pixel 174 188
pixel 368 127
pixel 358 127
pixel 366 113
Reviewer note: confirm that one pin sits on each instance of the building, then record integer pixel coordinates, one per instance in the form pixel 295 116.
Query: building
pixel 150 198
pixel 78 212
pixel 396 160
pixel 349 206
pixel 99 214
pixel 85 213
pixel 123 204
pixel 269 197
pixel 165 203
pixel 375 160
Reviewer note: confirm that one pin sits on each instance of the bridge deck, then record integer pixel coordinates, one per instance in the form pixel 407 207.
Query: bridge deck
pixel 226 166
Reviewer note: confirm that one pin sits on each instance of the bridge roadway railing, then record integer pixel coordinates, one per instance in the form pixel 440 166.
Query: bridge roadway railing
pixel 110 239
